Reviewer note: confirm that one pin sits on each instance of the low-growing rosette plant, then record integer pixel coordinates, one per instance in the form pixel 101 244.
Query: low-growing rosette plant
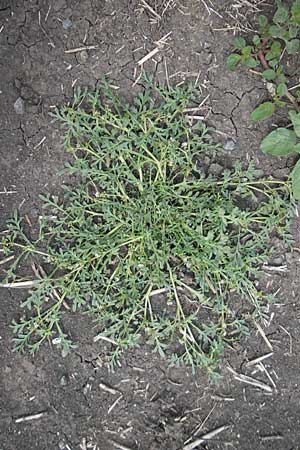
pixel 156 251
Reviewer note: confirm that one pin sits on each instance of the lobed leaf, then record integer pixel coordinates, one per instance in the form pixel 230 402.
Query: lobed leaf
pixel 280 142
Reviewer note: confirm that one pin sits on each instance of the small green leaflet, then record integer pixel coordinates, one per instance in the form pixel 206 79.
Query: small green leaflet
pixel 250 62
pixel 239 43
pixel 296 181
pixel 279 142
pixel 232 61
pixel 262 21
pixel 263 111
pixel 281 15
pixel 292 47
pixel 269 74
pixel 256 40
pixel 275 31
pixel 281 90
pixel 296 12
pixel 295 118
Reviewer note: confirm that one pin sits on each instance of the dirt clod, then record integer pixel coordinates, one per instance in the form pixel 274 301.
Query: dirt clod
pixel 19 106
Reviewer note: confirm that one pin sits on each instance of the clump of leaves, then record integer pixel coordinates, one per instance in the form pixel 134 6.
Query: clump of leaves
pixel 146 243
pixel 274 39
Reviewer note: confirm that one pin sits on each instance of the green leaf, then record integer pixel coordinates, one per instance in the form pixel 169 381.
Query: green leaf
pixel 279 142
pixel 275 51
pixel 262 21
pixel 295 10
pixel 263 111
pixel 281 15
pixel 232 61
pixel 269 74
pixel 292 47
pixel 276 47
pixel 273 63
pixel 256 40
pixel 251 62
pixel 281 78
pixel 275 31
pixel 281 90
pixel 297 148
pixel 295 119
pixel 279 103
pixel 246 51
pixel 293 31
pixel 239 43
pixel 296 181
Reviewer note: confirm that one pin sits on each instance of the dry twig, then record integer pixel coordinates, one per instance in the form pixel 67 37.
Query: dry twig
pixel 206 437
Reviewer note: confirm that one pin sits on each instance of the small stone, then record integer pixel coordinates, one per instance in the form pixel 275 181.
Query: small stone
pixel 229 145
pixel 277 261
pixel 64 380
pixel 82 57
pixel 62 445
pixel 19 106
pixel 290 258
pixel 281 173
pixel 215 169
pixel 206 160
pixel 258 173
pixel 67 23
pixel 207 58
pixel 64 353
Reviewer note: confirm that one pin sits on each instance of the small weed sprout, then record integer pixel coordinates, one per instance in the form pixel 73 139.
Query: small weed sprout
pixel 277 41
pixel 148 244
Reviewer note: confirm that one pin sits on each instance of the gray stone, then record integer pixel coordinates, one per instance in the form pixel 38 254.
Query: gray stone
pixel 215 169
pixel 277 261
pixel 64 380
pixel 290 258
pixel 67 23
pixel 19 106
pixel 281 173
pixel 82 57
pixel 230 145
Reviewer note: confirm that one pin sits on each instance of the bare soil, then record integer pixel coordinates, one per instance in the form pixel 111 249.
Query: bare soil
pixel 151 406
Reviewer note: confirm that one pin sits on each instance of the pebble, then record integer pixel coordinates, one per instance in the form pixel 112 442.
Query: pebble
pixel 259 173
pixel 64 380
pixel 215 169
pixel 281 173
pixel 82 57
pixel 19 106
pixel 230 145
pixel 67 23
pixel 278 261
pixel 289 257
pixel 63 446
